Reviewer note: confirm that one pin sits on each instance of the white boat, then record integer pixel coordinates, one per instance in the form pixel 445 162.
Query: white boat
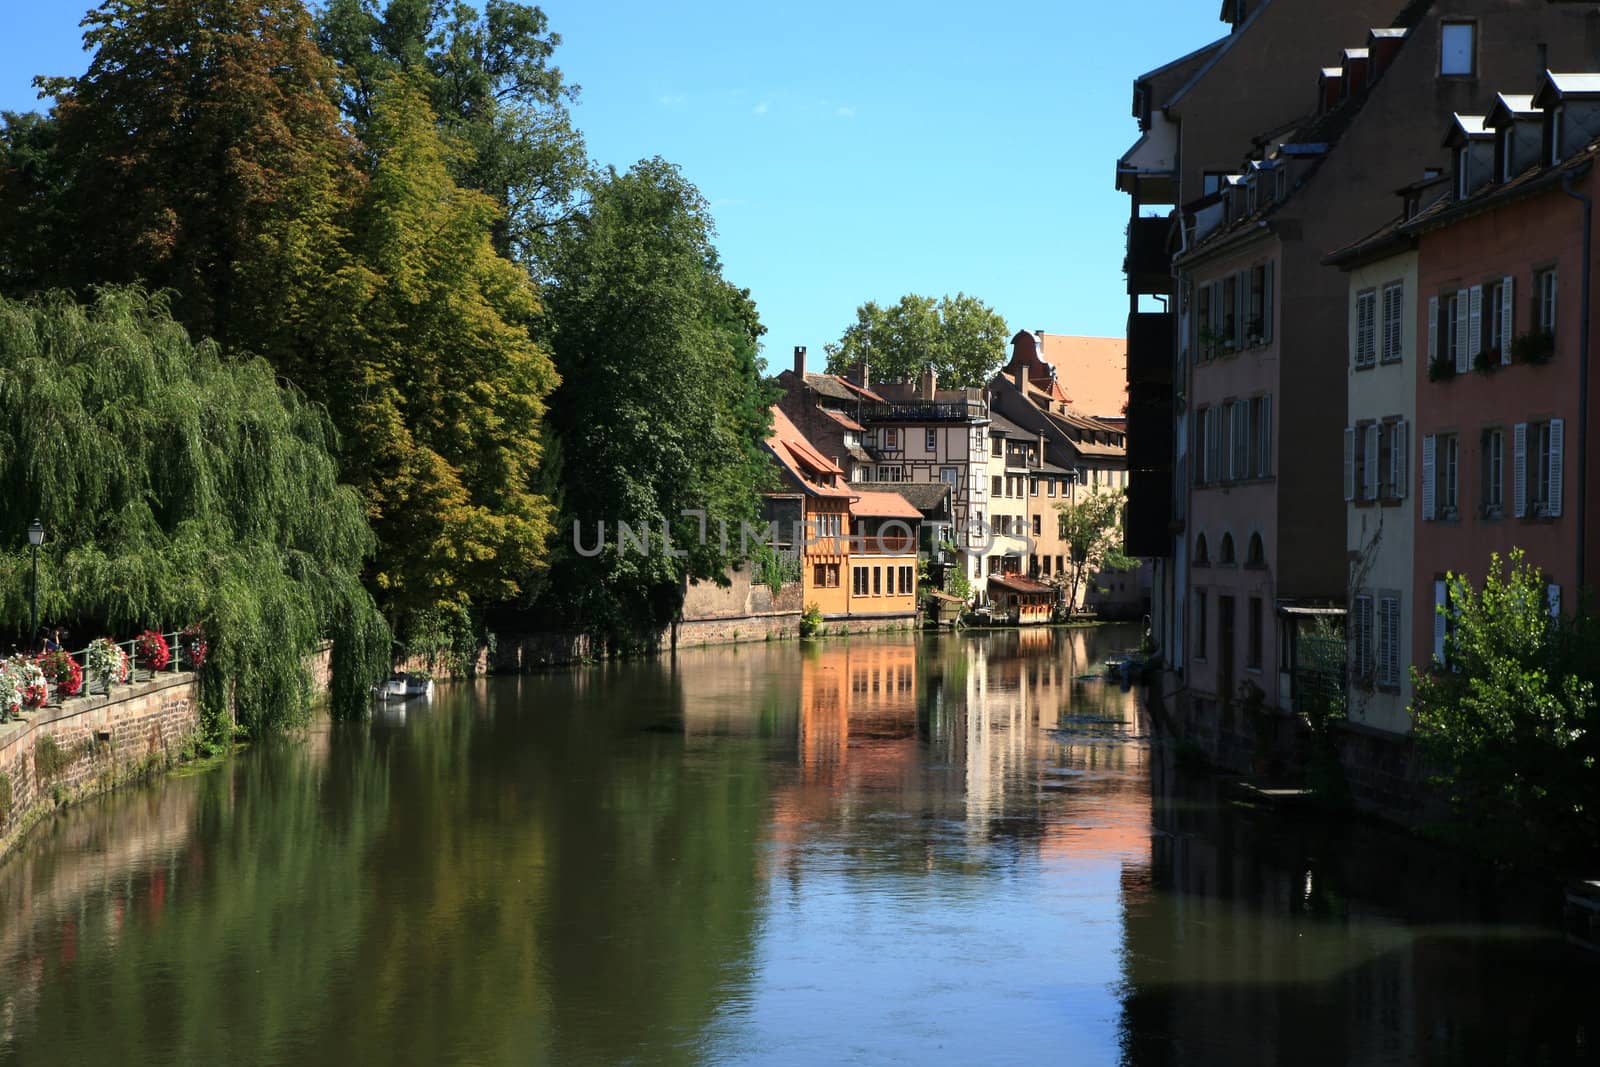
pixel 402 687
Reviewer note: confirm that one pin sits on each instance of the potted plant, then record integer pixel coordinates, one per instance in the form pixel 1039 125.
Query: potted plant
pixel 107 662
pixel 1535 347
pixel 10 694
pixel 192 642
pixel 30 681
pixel 153 650
pixel 1485 362
pixel 62 671
pixel 1441 370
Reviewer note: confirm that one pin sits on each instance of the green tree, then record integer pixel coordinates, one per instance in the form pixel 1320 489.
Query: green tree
pixel 177 487
pixel 1510 726
pixel 201 151
pixel 662 408
pixel 960 337
pixel 494 89
pixel 1092 529
pixel 430 358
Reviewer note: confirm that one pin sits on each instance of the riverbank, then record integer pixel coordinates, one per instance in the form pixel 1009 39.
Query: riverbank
pixel 90 745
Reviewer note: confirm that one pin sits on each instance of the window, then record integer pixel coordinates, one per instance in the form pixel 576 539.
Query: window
pixel 1458 49
pixel 1361 639
pixel 1033 487
pixel 1366 337
pixel 1446 457
pixel 877 581
pixel 1389 641
pixel 1508 149
pixel 950 475
pixel 1258 328
pixel 1256 554
pixel 931 442
pixel 1230 312
pixel 1205 445
pixel 1225 554
pixel 1537 460
pixel 827 525
pixel 908 581
pixel 1557 113
pixel 1442 621
pixel 1261 436
pixel 997 486
pixel 1204 330
pixel 890 473
pixel 1394 316
pixel 1061 527
pixel 1045 560
pixel 1494 444
pixel 825 576
pixel 890 439
pixel 1544 289
pixel 1060 566
pixel 1366 461
pixel 1500 306
pixel 1253 649
pixel 1202 556
pixel 1049 487
pixel 997 447
pixel 1038 526
pixel 858 581
pixel 1200 643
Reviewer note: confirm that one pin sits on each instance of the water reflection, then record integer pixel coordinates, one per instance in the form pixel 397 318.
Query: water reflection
pixel 955 849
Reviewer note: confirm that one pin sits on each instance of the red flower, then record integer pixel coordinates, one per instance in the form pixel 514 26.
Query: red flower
pixel 64 672
pixel 153 649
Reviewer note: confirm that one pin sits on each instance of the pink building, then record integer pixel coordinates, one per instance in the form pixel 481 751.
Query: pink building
pixel 1501 426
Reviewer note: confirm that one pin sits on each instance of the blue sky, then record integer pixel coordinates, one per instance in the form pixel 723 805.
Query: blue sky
pixel 852 151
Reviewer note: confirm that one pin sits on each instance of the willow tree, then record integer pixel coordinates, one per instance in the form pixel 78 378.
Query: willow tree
pixel 180 487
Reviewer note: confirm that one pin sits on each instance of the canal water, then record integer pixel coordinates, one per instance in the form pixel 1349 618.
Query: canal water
pixel 890 850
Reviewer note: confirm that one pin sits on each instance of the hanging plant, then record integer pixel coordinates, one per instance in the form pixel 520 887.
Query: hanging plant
pixel 153 650
pixel 62 671
pixel 10 694
pixel 193 644
pixel 30 680
pixel 107 662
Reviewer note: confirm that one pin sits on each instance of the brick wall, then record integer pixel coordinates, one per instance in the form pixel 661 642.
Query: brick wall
pixel 98 743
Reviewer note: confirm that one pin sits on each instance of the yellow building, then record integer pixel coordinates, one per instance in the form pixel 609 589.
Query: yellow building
pixel 825 541
pixel 883 556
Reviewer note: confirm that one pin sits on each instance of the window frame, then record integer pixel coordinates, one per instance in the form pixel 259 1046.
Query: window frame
pixel 1492 463
pixel 1471 28
pixel 931 441
pixel 1394 325
pixel 1366 331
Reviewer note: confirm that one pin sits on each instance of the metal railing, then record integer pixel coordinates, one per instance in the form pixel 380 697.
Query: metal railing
pixel 177 652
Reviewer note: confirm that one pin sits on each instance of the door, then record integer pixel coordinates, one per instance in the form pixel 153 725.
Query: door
pixel 1225 643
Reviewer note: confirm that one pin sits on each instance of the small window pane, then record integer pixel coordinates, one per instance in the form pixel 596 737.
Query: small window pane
pixel 1455 54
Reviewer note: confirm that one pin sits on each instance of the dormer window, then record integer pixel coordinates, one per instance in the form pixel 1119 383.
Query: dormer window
pixel 1458 51
pixel 1508 149
pixel 1557 113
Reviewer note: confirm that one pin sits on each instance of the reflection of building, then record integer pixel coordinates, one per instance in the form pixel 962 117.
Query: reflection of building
pixel 858 712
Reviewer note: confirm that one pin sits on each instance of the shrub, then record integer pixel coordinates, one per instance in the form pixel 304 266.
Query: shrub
pixel 811 621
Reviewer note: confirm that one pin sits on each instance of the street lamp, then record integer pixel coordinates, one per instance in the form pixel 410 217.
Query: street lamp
pixel 35 539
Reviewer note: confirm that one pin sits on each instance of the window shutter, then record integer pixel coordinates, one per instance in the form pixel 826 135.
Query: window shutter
pixel 1349 463
pixel 1266 307
pixel 1433 328
pixel 1241 440
pixel 1553 596
pixel 1463 316
pixel 1265 430
pixel 1395 314
pixel 1398 474
pixel 1508 316
pixel 1241 306
pixel 1519 469
pixel 1557 433
pixel 1370 464
pixel 1390 640
pixel 1474 323
pixel 1427 478
pixel 1364 637
pixel 1440 593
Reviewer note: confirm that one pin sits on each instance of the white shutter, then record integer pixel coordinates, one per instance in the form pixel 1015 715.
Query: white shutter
pixel 1395 324
pixel 1433 328
pixel 1508 316
pixel 1265 429
pixel 1370 462
pixel 1428 494
pixel 1349 463
pixel 1440 594
pixel 1390 641
pixel 1241 306
pixel 1463 309
pixel 1553 596
pixel 1519 469
pixel 1398 473
pixel 1557 433
pixel 1474 324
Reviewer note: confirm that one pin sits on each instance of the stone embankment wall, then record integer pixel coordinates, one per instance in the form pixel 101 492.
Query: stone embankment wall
pixel 91 745
pixel 743 610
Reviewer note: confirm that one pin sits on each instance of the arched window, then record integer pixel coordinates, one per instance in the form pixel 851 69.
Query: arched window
pixel 1256 554
pixel 1226 557
pixel 1202 557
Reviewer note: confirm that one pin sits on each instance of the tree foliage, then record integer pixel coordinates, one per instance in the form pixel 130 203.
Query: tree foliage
pixel 661 409
pixel 1510 725
pixel 960 337
pixel 1092 529
pixel 178 486
pixel 428 356
pixel 495 91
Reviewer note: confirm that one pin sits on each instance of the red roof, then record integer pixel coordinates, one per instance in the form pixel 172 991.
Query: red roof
pixel 844 420
pixel 883 506
pixel 810 468
pixel 1094 371
pixel 1016 583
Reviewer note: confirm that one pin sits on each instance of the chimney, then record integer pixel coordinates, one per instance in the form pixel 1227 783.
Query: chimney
pixel 1382 47
pixel 929 384
pixel 1356 62
pixel 800 362
pixel 1328 89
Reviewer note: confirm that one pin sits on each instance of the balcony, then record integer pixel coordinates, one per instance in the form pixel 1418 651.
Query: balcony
pixel 883 545
pixel 1149 525
pixel 1150 347
pixel 926 411
pixel 1148 263
pixel 1150 427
